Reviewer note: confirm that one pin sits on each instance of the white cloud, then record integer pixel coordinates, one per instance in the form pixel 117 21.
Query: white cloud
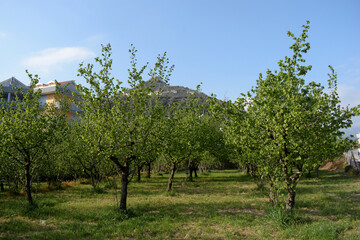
pixel 57 56
pixel 349 95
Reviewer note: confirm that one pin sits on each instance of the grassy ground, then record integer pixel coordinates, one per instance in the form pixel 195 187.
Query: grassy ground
pixel 220 205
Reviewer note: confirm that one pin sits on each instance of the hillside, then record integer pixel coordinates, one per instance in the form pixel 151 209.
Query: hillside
pixel 171 94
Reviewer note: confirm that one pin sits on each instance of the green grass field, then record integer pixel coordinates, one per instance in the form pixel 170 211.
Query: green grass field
pixel 219 205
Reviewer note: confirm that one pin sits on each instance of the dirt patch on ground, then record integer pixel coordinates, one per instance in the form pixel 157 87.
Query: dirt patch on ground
pixel 336 165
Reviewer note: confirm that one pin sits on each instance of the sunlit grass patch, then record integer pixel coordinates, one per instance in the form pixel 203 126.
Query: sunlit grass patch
pixel 219 205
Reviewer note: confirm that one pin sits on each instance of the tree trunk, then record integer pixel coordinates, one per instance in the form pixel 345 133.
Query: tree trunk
pixel 253 170
pixel 139 174
pixel 149 170
pixel 28 182
pixel 247 169
pixel 124 177
pixel 290 201
pixel 92 181
pixel 260 182
pixel 191 175
pixel 8 182
pixel 98 178
pixel 300 167
pixel 171 177
pixel 273 195
pixel 201 169
pixel 317 171
pixel 124 185
pixel 195 173
pixel 2 187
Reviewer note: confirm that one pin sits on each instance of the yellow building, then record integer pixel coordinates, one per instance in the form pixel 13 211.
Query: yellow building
pixel 51 94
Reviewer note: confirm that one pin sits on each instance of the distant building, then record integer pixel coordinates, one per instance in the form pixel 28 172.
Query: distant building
pixel 10 89
pixel 48 94
pixel 352 158
pixel 358 138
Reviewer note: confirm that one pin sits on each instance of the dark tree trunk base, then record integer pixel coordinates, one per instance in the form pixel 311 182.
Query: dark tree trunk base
pixel 290 201
pixel 138 174
pixel 149 170
pixel 171 177
pixel 124 185
pixel 28 183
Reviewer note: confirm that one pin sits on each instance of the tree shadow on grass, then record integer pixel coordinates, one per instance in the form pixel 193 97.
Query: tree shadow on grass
pixel 241 178
pixel 150 217
pixel 332 205
pixel 85 221
pixel 328 176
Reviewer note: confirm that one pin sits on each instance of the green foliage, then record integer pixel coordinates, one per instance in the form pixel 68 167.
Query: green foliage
pixel 284 125
pixel 192 136
pixel 119 118
pixel 117 122
pixel 27 132
pixel 83 150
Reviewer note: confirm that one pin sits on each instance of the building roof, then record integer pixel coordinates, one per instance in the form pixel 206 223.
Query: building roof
pixel 65 82
pixel 12 84
pixel 47 88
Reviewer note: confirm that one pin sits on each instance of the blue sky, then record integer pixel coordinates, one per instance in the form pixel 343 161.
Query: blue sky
pixel 223 44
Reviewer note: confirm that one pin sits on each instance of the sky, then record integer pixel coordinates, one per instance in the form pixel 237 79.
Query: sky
pixel 222 44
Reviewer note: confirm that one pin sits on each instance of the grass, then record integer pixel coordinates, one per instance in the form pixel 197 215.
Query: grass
pixel 219 205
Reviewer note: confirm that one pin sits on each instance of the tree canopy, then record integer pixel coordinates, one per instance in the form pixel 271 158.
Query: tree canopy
pixel 26 131
pixel 284 126
pixel 120 119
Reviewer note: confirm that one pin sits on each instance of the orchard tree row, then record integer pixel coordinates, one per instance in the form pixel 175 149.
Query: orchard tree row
pixel 119 132
pixel 280 129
